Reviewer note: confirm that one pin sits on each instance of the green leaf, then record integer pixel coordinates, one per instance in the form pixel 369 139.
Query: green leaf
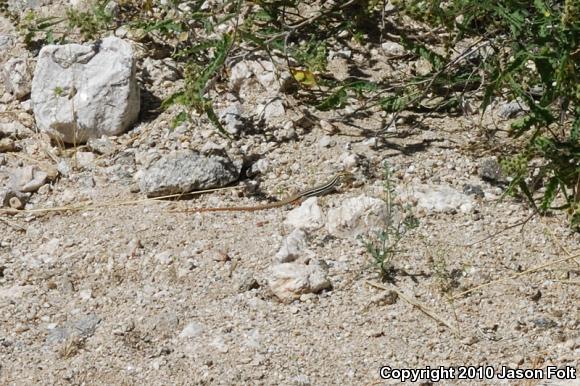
pixel 215 120
pixel 436 60
pixel 395 103
pixel 575 132
pixel 222 48
pixel 545 70
pixel 177 98
pixel 179 119
pixel 334 101
pixel 164 26
pixel 545 145
pixel 361 86
pixel 526 191
pixel 522 125
pixel 550 194
pixel 541 7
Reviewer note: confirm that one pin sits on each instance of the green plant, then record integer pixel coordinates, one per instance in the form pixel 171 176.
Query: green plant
pixel 383 245
pixel 535 58
pixel 261 27
pixel 446 279
pixel 279 27
pixel 38 31
pixel 58 91
pixel 92 24
pixel 196 80
pixel 202 57
pixel 312 55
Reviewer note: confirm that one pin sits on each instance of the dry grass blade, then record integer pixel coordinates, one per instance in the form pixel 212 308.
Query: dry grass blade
pixel 556 241
pixel 570 282
pixel 107 204
pixel 526 272
pixel 416 304
pixel 522 223
pixel 13 225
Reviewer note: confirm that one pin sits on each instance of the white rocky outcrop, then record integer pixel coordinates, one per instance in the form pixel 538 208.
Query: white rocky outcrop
pixel 85 91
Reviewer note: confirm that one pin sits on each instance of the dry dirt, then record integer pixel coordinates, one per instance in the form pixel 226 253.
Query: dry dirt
pixel 135 294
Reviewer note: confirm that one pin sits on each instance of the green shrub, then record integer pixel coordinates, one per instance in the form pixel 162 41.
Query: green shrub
pixel 535 59
pixel 383 245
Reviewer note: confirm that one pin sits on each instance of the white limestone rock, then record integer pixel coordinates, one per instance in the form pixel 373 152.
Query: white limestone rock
pixel 17 77
pixel 393 49
pixel 28 178
pixel 357 216
pixel 441 199
pixel 293 246
pixel 85 91
pixel 307 216
pixel 288 281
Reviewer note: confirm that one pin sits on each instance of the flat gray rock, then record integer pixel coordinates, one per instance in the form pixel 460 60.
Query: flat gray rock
pixel 185 171
pixel 82 328
pixel 512 109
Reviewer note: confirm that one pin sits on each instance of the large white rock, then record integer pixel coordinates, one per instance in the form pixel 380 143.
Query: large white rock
pixel 288 281
pixel 85 91
pixel 393 49
pixel 307 216
pixel 441 199
pixel 293 246
pixel 357 216
pixel 263 71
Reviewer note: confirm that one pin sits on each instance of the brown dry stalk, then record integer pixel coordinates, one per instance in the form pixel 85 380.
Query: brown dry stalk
pixel 416 304
pixel 107 204
pixel 527 271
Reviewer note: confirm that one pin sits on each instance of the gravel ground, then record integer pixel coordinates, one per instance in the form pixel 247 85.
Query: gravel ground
pixel 131 292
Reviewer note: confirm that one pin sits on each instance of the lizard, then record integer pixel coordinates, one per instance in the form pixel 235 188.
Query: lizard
pixel 312 192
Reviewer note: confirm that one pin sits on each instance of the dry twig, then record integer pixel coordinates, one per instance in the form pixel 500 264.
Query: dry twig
pixel 527 271
pixel 416 304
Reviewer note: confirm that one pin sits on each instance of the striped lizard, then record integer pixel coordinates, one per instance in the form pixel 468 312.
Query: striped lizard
pixel 319 190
